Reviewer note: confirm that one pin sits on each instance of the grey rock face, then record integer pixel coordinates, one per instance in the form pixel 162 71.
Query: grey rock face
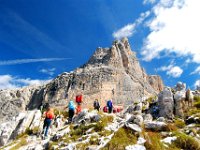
pixel 147 118
pixel 155 125
pixel 166 103
pixel 180 86
pixel 14 101
pixel 179 99
pixel 111 73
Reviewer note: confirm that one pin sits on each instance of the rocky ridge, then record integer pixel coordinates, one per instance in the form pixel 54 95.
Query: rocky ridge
pixel 141 127
pixel 111 73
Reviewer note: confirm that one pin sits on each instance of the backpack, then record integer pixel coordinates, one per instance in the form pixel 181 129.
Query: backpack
pixel 71 106
pixel 79 98
pixel 49 114
pixel 96 104
pixel 109 104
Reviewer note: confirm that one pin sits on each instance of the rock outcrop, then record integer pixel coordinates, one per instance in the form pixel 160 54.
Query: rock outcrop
pixel 18 100
pixel 111 73
pixel 166 103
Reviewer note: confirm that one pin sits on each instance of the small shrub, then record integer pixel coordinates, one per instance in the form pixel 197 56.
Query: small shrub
pixel 28 131
pixel 150 99
pixel 51 145
pixel 94 140
pixel 193 111
pixel 170 127
pixel 81 130
pixel 103 123
pixel 105 133
pixel 179 123
pixel 185 142
pixel 56 112
pixel 197 98
pixel 82 146
pixel 197 104
pixel 35 130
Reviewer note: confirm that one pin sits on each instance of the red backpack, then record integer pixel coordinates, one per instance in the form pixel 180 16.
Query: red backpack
pixel 79 98
pixel 49 114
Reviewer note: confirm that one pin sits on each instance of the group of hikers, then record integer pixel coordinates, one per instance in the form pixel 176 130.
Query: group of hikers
pixel 72 110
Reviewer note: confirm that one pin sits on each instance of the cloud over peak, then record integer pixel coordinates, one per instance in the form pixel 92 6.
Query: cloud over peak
pixel 129 29
pixel 11 82
pixel 172 70
pixel 173 29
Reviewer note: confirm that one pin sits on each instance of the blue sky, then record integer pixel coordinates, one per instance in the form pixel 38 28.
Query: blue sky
pixel 41 39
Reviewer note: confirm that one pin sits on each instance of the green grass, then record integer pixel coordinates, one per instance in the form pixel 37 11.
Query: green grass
pixel 153 141
pixel 121 139
pixel 94 140
pixel 104 121
pixel 179 123
pixel 150 99
pixel 21 143
pixel 185 142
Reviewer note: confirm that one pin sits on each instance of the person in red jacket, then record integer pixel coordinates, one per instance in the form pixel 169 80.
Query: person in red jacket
pixel 49 116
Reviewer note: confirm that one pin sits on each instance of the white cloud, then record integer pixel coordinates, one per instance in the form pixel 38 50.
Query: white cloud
pixel 10 82
pixel 149 2
pixel 197 84
pixel 196 71
pixel 174 29
pixel 6 82
pixel 129 29
pixel 171 70
pixel 24 61
pixel 48 71
pixel 175 72
pixel 126 31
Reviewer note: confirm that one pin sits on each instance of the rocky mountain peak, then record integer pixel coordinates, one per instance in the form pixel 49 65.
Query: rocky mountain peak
pixel 111 73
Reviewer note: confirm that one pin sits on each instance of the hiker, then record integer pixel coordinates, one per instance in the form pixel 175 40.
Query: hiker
pixel 58 120
pixel 49 116
pixel 155 111
pixel 78 108
pixel 71 110
pixel 96 104
pixel 110 106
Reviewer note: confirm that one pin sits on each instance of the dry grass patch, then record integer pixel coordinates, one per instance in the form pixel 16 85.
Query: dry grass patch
pixel 153 141
pixel 121 139
pixel 185 142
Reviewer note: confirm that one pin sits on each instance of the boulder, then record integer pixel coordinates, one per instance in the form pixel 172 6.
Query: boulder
pixel 169 140
pixel 161 119
pixel 147 117
pixel 81 116
pixel 136 119
pixel 166 103
pixel 26 122
pixel 36 120
pixel 192 119
pixel 141 141
pixel 179 100
pixel 155 125
pixel 130 109
pixel 7 128
pixel 180 86
pixel 134 127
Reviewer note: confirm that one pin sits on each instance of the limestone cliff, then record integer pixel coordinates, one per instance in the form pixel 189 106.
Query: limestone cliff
pixel 111 73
